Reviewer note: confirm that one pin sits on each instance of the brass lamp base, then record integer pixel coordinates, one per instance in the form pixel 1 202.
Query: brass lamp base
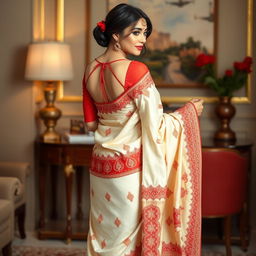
pixel 48 136
pixel 50 115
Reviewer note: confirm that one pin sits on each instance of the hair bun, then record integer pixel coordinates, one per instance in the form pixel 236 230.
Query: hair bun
pixel 100 37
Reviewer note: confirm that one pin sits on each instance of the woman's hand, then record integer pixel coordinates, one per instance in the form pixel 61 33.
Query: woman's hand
pixel 198 103
pixel 91 126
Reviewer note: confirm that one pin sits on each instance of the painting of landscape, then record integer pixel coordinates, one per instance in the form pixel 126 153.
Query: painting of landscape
pixel 182 29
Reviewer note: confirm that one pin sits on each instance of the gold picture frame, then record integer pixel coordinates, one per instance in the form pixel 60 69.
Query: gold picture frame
pixel 38 34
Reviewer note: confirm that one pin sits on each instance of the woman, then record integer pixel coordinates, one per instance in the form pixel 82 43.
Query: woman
pixel 145 171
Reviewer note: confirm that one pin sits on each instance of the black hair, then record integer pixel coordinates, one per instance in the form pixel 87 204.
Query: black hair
pixel 119 18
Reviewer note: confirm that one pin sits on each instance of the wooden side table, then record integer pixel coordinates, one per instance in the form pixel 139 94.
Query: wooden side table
pixel 244 147
pixel 72 157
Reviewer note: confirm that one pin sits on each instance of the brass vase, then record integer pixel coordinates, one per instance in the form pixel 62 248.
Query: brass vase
pixel 225 112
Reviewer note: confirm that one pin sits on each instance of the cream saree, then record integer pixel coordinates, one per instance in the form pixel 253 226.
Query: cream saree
pixel 145 178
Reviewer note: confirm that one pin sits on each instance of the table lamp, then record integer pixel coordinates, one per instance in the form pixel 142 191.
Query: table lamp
pixel 49 62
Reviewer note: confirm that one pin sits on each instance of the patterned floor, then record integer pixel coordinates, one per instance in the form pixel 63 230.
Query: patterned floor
pixel 34 247
pixel 20 250
pixel 42 251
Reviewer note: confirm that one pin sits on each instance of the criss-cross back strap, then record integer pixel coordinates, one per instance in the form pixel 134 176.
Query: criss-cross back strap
pixel 103 66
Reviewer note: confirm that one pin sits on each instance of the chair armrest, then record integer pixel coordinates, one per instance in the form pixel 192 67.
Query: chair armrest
pixel 9 188
pixel 19 170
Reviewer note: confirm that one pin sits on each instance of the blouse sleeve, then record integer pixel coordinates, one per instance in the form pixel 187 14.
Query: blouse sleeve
pixel 89 108
pixel 135 72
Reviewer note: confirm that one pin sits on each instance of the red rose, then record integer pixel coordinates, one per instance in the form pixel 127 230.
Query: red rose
pixel 248 60
pixel 229 72
pixel 243 66
pixel 240 66
pixel 211 59
pixel 199 60
pixel 248 63
pixel 203 59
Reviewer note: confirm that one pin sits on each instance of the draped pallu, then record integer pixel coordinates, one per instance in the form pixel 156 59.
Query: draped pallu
pixel 145 177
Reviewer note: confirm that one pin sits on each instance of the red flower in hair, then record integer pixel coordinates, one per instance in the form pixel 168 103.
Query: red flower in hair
pixel 102 25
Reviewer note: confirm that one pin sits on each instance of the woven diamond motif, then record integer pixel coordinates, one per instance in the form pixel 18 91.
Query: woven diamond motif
pixel 169 221
pixel 175 165
pixel 117 222
pixel 100 218
pixel 103 244
pixel 127 241
pixel 108 196
pixel 130 196
pixel 108 131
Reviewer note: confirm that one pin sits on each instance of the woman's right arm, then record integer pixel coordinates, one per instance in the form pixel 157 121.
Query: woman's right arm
pixel 89 109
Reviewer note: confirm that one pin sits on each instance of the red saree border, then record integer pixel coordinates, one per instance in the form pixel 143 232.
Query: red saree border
pixel 109 176
pixel 127 96
pixel 171 250
pixel 151 230
pixel 193 141
pixel 155 192
pixel 117 165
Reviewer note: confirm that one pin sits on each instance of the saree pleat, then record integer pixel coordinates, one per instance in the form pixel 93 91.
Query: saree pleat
pixel 145 178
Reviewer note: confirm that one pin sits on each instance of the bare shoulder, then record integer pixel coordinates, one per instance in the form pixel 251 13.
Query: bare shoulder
pixel 89 68
pixel 122 64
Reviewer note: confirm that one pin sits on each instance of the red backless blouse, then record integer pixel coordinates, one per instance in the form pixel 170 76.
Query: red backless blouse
pixel 135 72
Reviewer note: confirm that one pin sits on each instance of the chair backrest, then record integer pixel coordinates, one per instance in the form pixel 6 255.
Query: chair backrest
pixel 223 182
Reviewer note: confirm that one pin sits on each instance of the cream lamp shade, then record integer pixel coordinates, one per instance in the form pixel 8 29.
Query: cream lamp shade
pixel 49 61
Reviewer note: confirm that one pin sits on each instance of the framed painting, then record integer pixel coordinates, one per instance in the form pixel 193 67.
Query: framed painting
pixel 182 29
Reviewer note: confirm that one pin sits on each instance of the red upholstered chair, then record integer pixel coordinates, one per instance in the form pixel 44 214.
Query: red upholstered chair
pixel 224 188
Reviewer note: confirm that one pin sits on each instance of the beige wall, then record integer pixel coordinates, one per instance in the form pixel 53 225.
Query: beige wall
pixel 17 96
pixel 17 124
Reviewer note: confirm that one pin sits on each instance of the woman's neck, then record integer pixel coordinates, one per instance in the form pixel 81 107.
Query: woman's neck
pixel 112 54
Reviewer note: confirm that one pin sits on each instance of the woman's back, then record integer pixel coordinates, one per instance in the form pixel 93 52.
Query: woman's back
pixel 106 80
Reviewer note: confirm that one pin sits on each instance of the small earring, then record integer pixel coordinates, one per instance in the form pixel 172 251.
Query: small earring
pixel 117 46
